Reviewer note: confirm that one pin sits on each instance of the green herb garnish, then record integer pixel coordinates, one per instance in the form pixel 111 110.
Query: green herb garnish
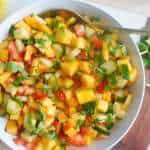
pixel 125 72
pixel 89 108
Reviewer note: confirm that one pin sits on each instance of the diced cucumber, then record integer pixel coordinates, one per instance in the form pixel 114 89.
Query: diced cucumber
pixel 21 34
pixel 75 52
pixel 102 130
pixel 119 110
pixel 89 31
pixel 120 95
pixel 119 51
pixel 27 136
pixel 109 67
pixel 13 107
pixel 121 83
pixel 101 117
pixel 59 50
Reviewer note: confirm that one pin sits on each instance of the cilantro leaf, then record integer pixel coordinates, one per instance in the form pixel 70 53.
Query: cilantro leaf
pixel 146 62
pixel 89 108
pixel 46 90
pixel 125 71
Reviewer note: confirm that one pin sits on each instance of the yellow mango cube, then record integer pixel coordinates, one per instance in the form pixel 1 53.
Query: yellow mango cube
pixel 3 55
pixel 34 23
pixel 84 66
pixel 29 51
pixel 79 42
pixel 11 127
pixel 105 51
pixel 64 36
pixel 88 81
pixel 102 106
pixel 85 95
pixel 4 78
pixel 70 67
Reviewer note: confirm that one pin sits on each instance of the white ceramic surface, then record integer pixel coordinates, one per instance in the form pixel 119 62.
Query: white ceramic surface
pixel 137 89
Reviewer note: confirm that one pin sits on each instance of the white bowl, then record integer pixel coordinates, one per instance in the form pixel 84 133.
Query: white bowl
pixel 122 127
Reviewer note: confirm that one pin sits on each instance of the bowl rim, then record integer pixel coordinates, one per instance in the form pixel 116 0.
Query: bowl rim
pixel 7 20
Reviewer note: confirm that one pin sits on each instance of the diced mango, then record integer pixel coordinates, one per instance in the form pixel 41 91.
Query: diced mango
pixel 105 51
pixel 85 95
pixel 102 106
pixel 133 75
pixel 48 144
pixel 62 117
pixel 11 127
pixel 88 81
pixel 49 52
pixel 107 96
pixel 119 110
pixel 58 147
pixel 37 25
pixel 127 102
pixel 1 96
pixel 64 36
pixel 4 44
pixel 14 117
pixel 67 83
pixel 30 50
pixel 22 24
pixel 70 132
pixel 84 66
pixel 70 67
pixel 92 133
pixel 88 140
pixel 3 55
pixel 79 42
pixel 4 77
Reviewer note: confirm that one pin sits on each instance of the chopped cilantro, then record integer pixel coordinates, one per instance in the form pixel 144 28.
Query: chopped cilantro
pixel 125 72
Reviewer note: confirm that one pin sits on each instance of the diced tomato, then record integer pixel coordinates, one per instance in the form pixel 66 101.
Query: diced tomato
pixel 82 55
pixel 77 140
pixel 21 91
pixel 97 43
pixel 61 95
pixel 55 123
pixel 52 57
pixel 21 55
pixel 79 30
pixel 13 54
pixel 38 95
pixel 19 141
pixel 83 131
pixel 101 87
pixel 30 145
